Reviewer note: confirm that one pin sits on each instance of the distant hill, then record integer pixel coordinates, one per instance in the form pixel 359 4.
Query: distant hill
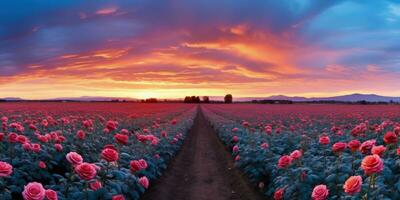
pixel 347 98
pixel 344 98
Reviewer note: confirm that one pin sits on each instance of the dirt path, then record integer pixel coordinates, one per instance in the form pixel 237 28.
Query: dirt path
pixel 202 170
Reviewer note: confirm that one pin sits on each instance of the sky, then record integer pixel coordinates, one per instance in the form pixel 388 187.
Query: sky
pixel 174 48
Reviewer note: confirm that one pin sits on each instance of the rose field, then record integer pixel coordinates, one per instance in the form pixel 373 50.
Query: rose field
pixel 137 150
pixel 87 150
pixel 314 151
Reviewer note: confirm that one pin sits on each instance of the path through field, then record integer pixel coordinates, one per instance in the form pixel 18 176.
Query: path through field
pixel 202 170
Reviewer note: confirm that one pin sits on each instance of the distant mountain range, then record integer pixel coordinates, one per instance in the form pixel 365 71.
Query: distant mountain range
pixel 345 98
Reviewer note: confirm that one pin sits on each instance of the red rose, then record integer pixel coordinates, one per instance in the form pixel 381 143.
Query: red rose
pixel 324 140
pixel 144 182
pixel 35 148
pixel 27 146
pixel 372 164
pixel 121 138
pixel 320 192
pixel 86 171
pixel 366 146
pixel 80 134
pixel 296 154
pixel 390 138
pixel 42 165
pixel 34 191
pixel 58 147
pixel 22 139
pixel 354 145
pixel 278 195
pixel 95 185
pixel 111 125
pixel 118 197
pixel 12 137
pixel 284 161
pixel 74 158
pixel 110 155
pixel 51 195
pixel 353 185
pixel 5 169
pixel 339 147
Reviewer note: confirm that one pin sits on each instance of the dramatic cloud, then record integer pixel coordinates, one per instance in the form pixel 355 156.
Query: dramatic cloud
pixel 157 48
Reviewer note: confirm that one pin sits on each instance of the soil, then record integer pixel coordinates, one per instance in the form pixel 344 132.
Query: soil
pixel 202 170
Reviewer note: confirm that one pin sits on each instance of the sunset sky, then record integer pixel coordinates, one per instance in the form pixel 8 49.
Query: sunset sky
pixel 168 49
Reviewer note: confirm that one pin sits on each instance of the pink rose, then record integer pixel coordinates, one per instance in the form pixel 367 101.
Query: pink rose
pixel 5 169
pixel 372 164
pixel 110 155
pixel 284 161
pixel 86 171
pixel 51 195
pixel 264 145
pixel 339 147
pixel 296 154
pixel 367 146
pixel 42 165
pixel 118 197
pixel 33 191
pixel 320 192
pixel 74 158
pixel 324 140
pixel 235 149
pixel 58 147
pixel 353 185
pixel 378 150
pixel 95 185
pixel 35 148
pixel 144 182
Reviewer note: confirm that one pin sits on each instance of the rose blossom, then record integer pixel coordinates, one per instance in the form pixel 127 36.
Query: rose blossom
pixel 121 138
pixel 339 147
pixel 235 149
pixel 35 148
pixel 42 165
pixel 86 171
pixel 110 155
pixel 296 154
pixel 320 192
pixel 278 195
pixel 74 158
pixel 324 140
pixel 354 145
pixel 137 165
pixel 144 182
pixel 34 191
pixel 378 150
pixel 353 185
pixel 118 197
pixel 5 169
pixel 372 164
pixel 95 185
pixel 264 145
pixel 51 195
pixel 367 146
pixel 390 138
pixel 58 147
pixel 284 161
